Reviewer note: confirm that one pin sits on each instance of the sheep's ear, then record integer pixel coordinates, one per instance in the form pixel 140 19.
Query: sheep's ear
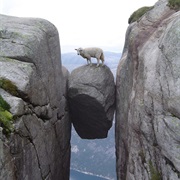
pixel 76 49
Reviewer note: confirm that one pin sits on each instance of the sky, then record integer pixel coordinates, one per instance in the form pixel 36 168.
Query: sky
pixel 81 23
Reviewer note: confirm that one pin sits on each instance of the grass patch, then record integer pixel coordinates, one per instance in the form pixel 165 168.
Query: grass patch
pixel 139 13
pixel 8 86
pixel 174 4
pixel 3 104
pixel 155 175
pixel 6 118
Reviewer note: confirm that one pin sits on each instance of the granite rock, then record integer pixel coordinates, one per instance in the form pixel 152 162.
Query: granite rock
pixel 92 100
pixel 39 146
pixel 148 98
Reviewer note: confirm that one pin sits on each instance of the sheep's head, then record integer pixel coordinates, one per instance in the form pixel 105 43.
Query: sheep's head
pixel 79 51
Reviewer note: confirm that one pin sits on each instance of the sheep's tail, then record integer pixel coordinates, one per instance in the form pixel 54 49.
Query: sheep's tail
pixel 102 57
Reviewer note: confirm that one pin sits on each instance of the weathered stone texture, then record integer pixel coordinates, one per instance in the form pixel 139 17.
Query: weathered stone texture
pixel 39 147
pixel 148 98
pixel 92 100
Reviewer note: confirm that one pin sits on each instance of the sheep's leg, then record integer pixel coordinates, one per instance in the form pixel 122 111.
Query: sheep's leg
pixel 90 62
pixel 87 62
pixel 102 63
pixel 97 63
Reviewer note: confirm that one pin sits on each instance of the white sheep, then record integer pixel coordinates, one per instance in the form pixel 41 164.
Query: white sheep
pixel 87 53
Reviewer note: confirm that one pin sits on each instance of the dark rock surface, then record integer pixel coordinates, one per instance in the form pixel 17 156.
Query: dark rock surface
pixel 92 99
pixel 39 146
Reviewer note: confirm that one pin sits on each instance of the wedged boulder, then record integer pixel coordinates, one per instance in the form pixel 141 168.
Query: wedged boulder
pixel 92 98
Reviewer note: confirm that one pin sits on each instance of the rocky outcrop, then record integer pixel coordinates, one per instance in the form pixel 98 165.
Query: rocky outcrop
pixel 148 98
pixel 39 146
pixel 92 98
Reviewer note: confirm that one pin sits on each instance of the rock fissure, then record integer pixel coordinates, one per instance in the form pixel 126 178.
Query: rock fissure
pixel 20 58
pixel 38 159
pixel 169 128
pixel 43 112
pixel 154 138
pixel 163 100
pixel 168 62
pixel 170 163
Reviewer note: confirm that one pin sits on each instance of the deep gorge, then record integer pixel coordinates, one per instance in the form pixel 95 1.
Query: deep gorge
pixel 147 99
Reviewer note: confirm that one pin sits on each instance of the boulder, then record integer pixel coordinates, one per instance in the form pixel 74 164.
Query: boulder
pixel 92 98
pixel 148 98
pixel 34 84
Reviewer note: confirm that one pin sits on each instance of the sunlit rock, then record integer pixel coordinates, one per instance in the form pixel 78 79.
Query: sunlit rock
pixel 148 98
pixel 39 146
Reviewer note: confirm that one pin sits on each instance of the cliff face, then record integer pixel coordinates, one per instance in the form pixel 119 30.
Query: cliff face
pixel 148 98
pixel 39 146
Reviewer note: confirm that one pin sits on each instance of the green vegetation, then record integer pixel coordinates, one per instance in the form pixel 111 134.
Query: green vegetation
pixel 5 116
pixel 3 104
pixel 139 13
pixel 174 4
pixel 155 175
pixel 8 86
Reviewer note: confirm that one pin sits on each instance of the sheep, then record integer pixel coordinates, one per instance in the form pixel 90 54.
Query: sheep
pixel 95 52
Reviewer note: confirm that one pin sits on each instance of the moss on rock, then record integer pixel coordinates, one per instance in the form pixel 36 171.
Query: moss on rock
pixel 155 175
pixel 174 4
pixel 3 104
pixel 5 116
pixel 8 86
pixel 139 13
